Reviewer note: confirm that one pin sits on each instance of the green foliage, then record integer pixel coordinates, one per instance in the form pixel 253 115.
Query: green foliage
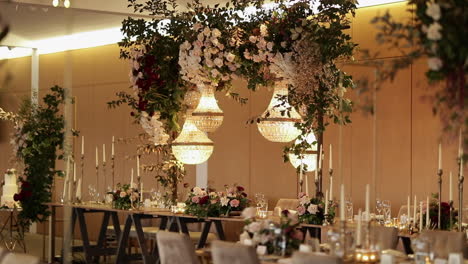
pixel 123 196
pixel 39 135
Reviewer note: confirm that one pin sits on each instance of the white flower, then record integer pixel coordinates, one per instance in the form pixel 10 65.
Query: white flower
pixel 312 209
pixel 270 46
pixel 253 39
pixel 197 191
pixel 209 63
pixel 224 201
pixel 247 55
pixel 304 200
pixel 249 212
pixel 434 63
pixel 206 31
pixel 433 32
pixel 295 36
pixel 216 33
pixel 283 44
pixel 214 72
pixel 123 194
pixel 261 44
pixel 185 46
pixel 263 30
pixel 230 57
pixel 298 30
pixel 218 62
pixel 433 10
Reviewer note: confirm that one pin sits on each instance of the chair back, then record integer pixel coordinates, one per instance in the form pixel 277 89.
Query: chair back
pixel 3 252
pixel 233 253
pixel 175 248
pixel 288 204
pixel 311 258
pixel 385 237
pixel 15 258
pixel 445 242
pixel 404 210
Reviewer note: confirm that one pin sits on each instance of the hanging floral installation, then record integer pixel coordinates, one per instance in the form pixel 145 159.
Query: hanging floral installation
pixel 291 46
pixel 435 33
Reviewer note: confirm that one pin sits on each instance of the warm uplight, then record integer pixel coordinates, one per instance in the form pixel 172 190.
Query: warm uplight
pixel 309 159
pixel 192 146
pixel 207 116
pixel 66 3
pixel 278 127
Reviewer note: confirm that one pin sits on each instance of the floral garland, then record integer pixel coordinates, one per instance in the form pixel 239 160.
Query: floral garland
pixel 208 203
pixel 312 210
pixel 437 33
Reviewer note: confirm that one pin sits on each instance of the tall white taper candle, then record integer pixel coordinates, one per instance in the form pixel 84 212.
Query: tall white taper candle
pixel 103 153
pixel 331 189
pixel 320 157
pixel 359 228
pixel 421 216
pixel 450 187
pixel 331 158
pixel 97 157
pixel 131 179
pixel 74 171
pixel 440 156
pixel 82 145
pixel 138 166
pixel 326 202
pixel 409 208
pixel 415 209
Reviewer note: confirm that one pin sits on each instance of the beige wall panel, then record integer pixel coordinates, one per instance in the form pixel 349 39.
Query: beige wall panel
pixel 269 174
pixel 107 65
pixel 15 75
pixel 393 114
pixel 230 161
pixel 51 70
pixel 364 32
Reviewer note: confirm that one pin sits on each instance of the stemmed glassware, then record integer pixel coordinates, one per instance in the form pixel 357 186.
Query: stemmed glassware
pixel 378 209
pixel 262 205
pixel 387 210
pixel 349 210
pixel 92 192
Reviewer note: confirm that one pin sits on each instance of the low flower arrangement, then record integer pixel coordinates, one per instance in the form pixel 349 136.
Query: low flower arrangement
pixel 280 239
pixel 209 203
pixel 312 210
pixel 444 214
pixel 125 196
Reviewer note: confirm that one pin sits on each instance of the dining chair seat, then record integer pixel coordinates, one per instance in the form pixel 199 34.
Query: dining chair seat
pixel 311 258
pixel 385 237
pixel 233 253
pixel 175 248
pixel 15 258
pixel 445 242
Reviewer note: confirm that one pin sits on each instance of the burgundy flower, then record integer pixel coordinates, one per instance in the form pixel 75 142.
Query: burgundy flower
pixel 17 197
pixel 204 199
pixel 240 189
pixel 244 194
pixel 25 185
pixel 285 213
pixel 26 193
pixel 186 185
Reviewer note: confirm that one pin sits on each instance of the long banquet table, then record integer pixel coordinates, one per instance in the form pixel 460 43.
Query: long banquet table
pixel 169 221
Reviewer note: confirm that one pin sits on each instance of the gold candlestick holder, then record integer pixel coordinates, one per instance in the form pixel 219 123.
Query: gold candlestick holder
pixel 97 184
pixel 461 179
pixel 367 254
pixel 113 170
pixel 104 172
pixel 439 212
pixel 78 200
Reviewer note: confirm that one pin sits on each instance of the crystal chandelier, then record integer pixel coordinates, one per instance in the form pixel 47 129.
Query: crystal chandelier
pixel 207 116
pixel 275 126
pixel 309 156
pixel 192 146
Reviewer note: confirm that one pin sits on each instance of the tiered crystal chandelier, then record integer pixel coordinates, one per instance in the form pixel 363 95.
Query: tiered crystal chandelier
pixel 309 157
pixel 207 116
pixel 192 146
pixel 275 126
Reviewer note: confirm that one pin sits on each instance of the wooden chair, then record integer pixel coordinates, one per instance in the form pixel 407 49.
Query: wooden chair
pixel 175 248
pixel 310 258
pixel 446 242
pixel 14 258
pixel 233 253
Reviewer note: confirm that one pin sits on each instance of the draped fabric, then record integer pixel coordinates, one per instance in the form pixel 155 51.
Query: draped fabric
pixel 445 242
pixel 385 237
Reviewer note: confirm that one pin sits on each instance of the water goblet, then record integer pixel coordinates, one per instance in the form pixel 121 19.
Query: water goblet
pixel 349 210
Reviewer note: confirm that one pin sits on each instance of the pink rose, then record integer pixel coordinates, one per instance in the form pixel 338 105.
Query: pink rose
pixel 312 209
pixel 234 203
pixel 301 210
pixel 302 194
pixel 195 199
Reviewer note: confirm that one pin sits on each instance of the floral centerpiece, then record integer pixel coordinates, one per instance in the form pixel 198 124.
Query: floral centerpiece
pixel 125 197
pixel 312 210
pixel 444 214
pixel 209 203
pixel 280 239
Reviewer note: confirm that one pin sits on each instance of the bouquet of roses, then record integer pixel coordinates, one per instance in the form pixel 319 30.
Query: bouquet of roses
pixel 312 210
pixel 125 196
pixel 444 215
pixel 208 203
pixel 282 238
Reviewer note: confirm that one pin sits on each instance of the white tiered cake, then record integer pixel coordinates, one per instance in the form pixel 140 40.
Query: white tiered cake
pixel 10 187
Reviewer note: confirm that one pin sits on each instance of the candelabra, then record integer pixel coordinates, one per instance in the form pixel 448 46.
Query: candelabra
pixel 461 179
pixel 318 184
pixel 78 199
pixel 439 173
pixel 97 183
pixel 113 170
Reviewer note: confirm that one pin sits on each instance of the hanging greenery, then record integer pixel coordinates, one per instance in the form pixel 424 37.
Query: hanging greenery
pixel 182 47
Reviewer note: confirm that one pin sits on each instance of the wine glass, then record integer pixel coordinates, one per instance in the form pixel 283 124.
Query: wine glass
pixel 92 192
pixel 349 209
pixel 378 209
pixel 387 208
